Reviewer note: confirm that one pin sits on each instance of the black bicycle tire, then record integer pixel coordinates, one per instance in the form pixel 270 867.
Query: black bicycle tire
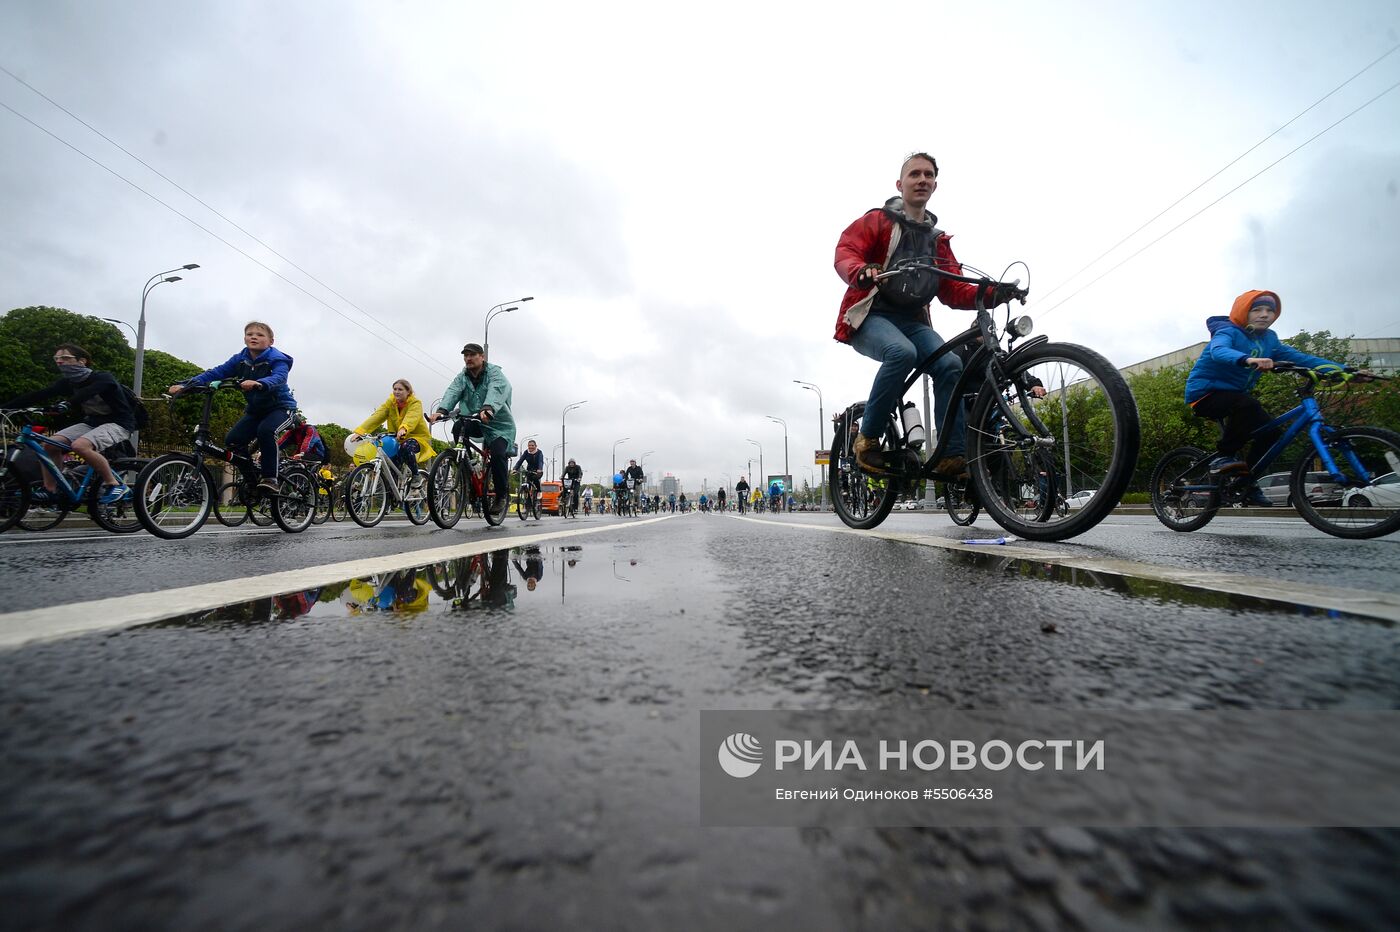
pixel 237 503
pixel 27 523
pixel 842 445
pixel 284 507
pixel 1123 459
pixel 446 468
pixel 1167 472
pixel 143 512
pixel 1309 511
pixel 416 510
pixel 324 499
pixel 12 484
pixel 497 516
pixel 364 469
pixel 100 514
pixel 965 513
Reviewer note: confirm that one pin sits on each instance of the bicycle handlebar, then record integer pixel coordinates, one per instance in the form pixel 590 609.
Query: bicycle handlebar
pixel 1328 375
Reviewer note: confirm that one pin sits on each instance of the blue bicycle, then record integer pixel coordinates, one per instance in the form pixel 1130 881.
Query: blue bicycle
pixel 25 501
pixel 1360 500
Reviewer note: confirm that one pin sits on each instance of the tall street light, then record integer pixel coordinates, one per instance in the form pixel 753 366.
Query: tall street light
pixel 557 448
pixel 159 278
pixel 114 320
pixel 762 476
pixel 615 443
pixel 563 435
pixel 821 430
pixel 787 476
pixel 498 309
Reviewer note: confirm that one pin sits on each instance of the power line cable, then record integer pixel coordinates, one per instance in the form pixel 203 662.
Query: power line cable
pixel 1222 197
pixel 1217 174
pixel 208 207
pixel 422 361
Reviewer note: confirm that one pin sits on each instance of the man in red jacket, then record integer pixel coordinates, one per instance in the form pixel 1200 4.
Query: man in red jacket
pixel 891 323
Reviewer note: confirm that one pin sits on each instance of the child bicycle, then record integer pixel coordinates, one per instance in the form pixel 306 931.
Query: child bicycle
pixel 175 493
pixel 460 477
pixel 1361 461
pixel 372 486
pixel 75 487
pixel 1086 431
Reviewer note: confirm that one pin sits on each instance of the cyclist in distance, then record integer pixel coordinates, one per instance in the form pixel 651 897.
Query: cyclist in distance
pixel 719 499
pixel 262 370
pixel 532 457
pixel 573 478
pixel 775 496
pixel 482 389
pixel 741 493
pixel 635 472
pixel 107 417
pixel 303 441
pixel 402 415
pixel 1241 347
pixel 588 500
pixel 890 323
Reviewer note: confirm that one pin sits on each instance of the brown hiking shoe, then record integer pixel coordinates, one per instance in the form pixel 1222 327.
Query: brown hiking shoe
pixel 952 467
pixel 868 455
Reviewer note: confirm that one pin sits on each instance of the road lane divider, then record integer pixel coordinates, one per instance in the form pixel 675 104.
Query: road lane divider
pixel 125 611
pixel 1364 602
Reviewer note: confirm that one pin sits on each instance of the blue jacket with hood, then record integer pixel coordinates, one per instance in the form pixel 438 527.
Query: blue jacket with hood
pixel 269 369
pixel 1221 367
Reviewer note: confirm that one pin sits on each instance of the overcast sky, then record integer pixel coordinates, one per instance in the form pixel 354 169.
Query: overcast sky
pixel 669 182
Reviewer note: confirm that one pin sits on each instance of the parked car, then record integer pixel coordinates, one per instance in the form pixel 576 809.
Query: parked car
pixel 1321 490
pixel 1385 493
pixel 1081 498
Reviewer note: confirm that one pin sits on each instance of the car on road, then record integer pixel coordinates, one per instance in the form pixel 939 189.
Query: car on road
pixel 549 497
pixel 1081 498
pixel 1384 493
pixel 1320 488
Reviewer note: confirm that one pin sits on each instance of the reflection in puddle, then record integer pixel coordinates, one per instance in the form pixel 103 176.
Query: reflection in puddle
pixel 489 582
pixel 1139 588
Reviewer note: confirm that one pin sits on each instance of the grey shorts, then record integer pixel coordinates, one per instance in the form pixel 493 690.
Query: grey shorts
pixel 101 437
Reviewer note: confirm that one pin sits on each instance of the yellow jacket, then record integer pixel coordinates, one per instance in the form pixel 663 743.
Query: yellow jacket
pixel 411 420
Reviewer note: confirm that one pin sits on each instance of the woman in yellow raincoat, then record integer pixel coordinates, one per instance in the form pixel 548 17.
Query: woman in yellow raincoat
pixel 402 415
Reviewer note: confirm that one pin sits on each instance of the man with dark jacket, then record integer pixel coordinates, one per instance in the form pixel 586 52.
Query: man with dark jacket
pixel 107 418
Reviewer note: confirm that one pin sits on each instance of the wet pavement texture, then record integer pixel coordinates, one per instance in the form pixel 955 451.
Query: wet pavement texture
pixel 511 740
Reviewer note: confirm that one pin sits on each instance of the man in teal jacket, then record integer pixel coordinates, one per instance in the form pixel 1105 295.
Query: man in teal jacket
pixel 482 390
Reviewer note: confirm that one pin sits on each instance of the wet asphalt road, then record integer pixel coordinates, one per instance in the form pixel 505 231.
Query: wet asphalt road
pixel 455 747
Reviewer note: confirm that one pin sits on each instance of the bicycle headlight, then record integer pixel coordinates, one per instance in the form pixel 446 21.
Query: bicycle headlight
pixel 1022 326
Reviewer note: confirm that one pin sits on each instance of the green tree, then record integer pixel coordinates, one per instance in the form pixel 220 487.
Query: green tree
pixel 28 336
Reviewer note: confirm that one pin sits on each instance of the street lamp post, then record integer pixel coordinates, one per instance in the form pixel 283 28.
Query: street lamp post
pixel 615 443
pixel 157 279
pixel 643 464
pixel 113 320
pixel 563 436
pixel 557 448
pixel 787 476
pixel 494 311
pixel 763 476
pixel 821 431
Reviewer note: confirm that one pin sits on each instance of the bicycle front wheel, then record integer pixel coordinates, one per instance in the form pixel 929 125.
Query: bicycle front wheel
pixel 230 509
pixel 174 495
pixel 295 505
pixel 860 499
pixel 366 496
pixel 14 498
pixel 1084 433
pixel 119 517
pixel 1184 495
pixel 495 502
pixel 1361 507
pixel 446 489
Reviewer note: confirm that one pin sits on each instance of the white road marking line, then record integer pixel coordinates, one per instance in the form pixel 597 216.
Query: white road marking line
pixel 1369 603
pixel 62 621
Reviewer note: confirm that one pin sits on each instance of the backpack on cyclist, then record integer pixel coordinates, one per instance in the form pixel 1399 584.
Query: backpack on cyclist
pixel 138 408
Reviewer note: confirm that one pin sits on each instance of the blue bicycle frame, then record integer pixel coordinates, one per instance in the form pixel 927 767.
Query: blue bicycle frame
pixel 27 438
pixel 1307 415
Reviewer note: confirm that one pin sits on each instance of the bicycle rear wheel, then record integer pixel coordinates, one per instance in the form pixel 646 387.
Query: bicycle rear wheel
pixel 1184 496
pixel 118 517
pixel 295 505
pixel 446 489
pixel 230 509
pixel 1085 432
pixel 960 501
pixel 861 500
pixel 323 504
pixel 415 500
pixel 174 495
pixel 14 498
pixel 1361 508
pixel 495 503
pixel 366 496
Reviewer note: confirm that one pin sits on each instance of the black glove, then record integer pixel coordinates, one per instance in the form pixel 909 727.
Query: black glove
pixel 866 276
pixel 1006 292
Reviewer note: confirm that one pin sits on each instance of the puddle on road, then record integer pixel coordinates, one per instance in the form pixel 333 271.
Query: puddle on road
pixel 496 581
pixel 1137 587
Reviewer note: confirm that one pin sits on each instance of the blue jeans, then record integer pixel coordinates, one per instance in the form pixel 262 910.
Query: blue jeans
pixel 264 427
pixel 898 345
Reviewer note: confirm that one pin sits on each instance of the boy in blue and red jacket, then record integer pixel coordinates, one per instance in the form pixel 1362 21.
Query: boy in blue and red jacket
pixel 1241 347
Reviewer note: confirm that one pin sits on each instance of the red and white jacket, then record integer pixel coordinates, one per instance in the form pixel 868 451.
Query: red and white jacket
pixel 872 239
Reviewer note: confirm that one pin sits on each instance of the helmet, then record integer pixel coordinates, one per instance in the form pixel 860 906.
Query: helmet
pixel 298 418
pixel 390 445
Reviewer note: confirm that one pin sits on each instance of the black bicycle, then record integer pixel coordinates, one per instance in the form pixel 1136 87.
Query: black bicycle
pixel 1084 431
pixel 175 493
pixel 1359 499
pixel 460 478
pixel 527 501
